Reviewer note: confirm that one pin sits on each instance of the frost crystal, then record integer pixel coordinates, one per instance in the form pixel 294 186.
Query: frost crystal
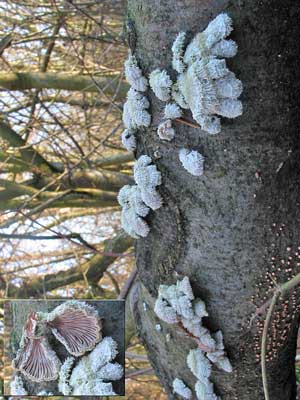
pixel 64 376
pixel 161 83
pixel 206 86
pixel 165 130
pixel 198 364
pixel 16 387
pixel 176 304
pixel 218 29
pixel 147 177
pixel 134 110
pixel 180 388
pixel 133 208
pixel 90 375
pixel 134 74
pixel 192 161
pixel 172 111
pixel 178 53
pixel 128 140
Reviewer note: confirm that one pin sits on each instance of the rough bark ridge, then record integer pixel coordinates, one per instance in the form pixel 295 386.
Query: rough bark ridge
pixel 216 228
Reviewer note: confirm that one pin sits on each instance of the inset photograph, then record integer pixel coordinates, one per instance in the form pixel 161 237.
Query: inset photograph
pixel 70 348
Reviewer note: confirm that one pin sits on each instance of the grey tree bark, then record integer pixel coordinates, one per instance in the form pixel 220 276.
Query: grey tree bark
pixel 219 229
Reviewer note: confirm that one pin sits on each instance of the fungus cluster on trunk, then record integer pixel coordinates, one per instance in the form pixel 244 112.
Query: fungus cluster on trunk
pixel 176 304
pixel 204 85
pixel 77 326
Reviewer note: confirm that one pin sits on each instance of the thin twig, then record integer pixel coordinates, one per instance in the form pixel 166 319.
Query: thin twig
pixel 264 343
pixel 125 289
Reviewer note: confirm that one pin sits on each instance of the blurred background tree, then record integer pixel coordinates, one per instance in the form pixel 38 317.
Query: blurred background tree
pixel 61 161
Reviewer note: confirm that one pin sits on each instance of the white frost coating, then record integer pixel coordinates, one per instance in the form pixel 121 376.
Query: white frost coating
pixel 90 375
pixel 177 96
pixel 165 130
pixel 44 393
pixel 133 208
pixel 219 357
pixel 218 29
pixel 205 390
pixel 134 111
pixel 134 75
pixel 172 111
pixel 199 364
pixel 128 140
pixel 206 86
pixel 176 304
pixel 178 53
pixel 225 49
pixel 147 177
pixel 180 388
pixel 160 83
pixel 192 161
pixel 64 376
pixel 16 387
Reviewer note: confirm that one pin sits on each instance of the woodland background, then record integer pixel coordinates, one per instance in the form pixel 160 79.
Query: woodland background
pixel 61 162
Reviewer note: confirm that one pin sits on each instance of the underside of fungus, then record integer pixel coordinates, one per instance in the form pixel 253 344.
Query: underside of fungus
pixel 76 325
pixel 35 359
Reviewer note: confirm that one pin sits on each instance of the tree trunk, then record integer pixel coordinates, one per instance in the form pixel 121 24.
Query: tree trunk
pixel 218 229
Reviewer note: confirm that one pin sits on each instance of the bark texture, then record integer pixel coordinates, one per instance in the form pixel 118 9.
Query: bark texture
pixel 218 229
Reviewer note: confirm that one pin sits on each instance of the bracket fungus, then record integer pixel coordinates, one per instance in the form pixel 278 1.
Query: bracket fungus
pixel 76 325
pixel 165 130
pixel 179 387
pixel 134 75
pixel 204 84
pixel 192 161
pixel 136 200
pixel 176 304
pixel 161 83
pixel 35 359
pixel 128 139
pixel 135 112
pixel 17 387
pixel 93 373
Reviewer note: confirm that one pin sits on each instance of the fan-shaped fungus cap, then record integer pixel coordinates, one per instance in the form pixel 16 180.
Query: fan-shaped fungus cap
pixel 35 359
pixel 76 325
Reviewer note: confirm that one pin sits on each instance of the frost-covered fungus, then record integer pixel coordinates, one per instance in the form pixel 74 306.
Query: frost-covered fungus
pixel 178 53
pixel 199 364
pixel 133 208
pixel 218 356
pixel 35 359
pixel 64 376
pixel 179 387
pixel 161 83
pixel 135 112
pixel 192 161
pixel 16 387
pixel 93 373
pixel 129 140
pixel 172 111
pixel 205 390
pixel 76 325
pixel 147 177
pixel 206 86
pixel 165 130
pixel 177 96
pixel 217 30
pixel 134 75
